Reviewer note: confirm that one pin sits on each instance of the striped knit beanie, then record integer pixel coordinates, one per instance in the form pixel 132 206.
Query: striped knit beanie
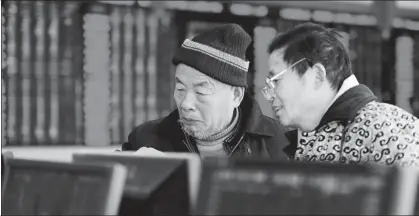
pixel 219 53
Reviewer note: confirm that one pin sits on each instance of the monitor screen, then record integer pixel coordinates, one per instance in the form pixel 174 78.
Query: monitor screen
pixel 5 156
pixel 250 187
pixel 53 188
pixel 3 166
pixel 155 185
pixel 415 200
pixel 416 203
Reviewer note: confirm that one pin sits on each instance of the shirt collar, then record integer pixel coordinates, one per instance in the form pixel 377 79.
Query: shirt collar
pixel 347 84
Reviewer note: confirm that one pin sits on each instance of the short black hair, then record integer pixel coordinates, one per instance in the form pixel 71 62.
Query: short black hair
pixel 318 44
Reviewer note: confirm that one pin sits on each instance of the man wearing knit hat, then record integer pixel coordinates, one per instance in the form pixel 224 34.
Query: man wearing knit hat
pixel 215 116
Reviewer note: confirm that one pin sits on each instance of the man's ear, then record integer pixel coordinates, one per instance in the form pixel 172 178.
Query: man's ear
pixel 321 75
pixel 238 94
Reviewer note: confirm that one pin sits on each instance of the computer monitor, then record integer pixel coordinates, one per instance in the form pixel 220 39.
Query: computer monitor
pixel 156 185
pixel 412 186
pixel 416 203
pixel 57 188
pixel 259 187
pixel 5 157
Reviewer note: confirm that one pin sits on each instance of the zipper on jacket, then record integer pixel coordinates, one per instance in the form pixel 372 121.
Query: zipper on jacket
pixel 188 144
pixel 237 145
pixel 191 149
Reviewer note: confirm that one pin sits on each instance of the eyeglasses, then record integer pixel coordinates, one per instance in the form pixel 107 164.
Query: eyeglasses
pixel 269 90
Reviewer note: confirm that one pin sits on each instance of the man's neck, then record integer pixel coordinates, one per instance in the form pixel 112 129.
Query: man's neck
pixel 226 130
pixel 322 106
pixel 214 144
pixel 316 112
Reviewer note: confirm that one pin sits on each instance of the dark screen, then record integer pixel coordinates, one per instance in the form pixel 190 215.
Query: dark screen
pixel 154 186
pixel 252 192
pixel 416 208
pixel 2 168
pixel 258 190
pixel 38 190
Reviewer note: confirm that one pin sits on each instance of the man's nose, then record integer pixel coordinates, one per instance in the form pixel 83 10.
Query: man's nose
pixel 270 97
pixel 275 101
pixel 188 102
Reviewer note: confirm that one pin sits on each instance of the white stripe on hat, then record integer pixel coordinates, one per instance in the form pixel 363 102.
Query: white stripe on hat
pixel 218 54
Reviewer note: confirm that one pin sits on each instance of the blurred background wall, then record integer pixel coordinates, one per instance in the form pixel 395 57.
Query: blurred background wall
pixel 86 73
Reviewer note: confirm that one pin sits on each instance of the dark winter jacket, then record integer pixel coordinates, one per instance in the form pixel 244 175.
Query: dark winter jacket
pixel 258 136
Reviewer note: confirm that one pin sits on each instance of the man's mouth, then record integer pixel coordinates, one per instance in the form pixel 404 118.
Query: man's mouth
pixel 188 120
pixel 277 108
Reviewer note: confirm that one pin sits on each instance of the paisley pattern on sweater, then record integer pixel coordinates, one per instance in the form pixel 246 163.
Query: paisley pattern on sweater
pixel 380 133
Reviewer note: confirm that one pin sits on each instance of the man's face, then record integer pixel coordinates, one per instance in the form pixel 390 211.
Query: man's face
pixel 294 95
pixel 205 105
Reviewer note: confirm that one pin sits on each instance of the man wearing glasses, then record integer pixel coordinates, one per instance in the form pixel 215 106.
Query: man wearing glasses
pixel 312 89
pixel 214 116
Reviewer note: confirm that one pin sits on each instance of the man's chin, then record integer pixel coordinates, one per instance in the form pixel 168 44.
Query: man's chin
pixel 283 121
pixel 286 124
pixel 193 132
pixel 292 126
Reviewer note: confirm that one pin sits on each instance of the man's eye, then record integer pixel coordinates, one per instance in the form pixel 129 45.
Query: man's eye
pixel 276 81
pixel 204 91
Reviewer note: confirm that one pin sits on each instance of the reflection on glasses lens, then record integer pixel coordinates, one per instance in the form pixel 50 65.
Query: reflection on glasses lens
pixel 267 93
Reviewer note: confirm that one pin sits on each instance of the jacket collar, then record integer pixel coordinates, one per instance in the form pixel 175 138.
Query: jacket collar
pixel 347 84
pixel 254 122
pixel 253 119
pixel 350 98
pixel 348 104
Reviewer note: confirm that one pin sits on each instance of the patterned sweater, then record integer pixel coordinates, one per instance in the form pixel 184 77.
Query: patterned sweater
pixel 358 129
